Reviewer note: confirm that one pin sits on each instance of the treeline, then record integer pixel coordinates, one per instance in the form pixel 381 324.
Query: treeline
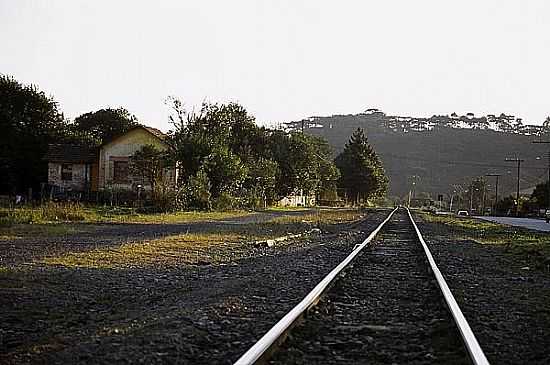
pixel 30 121
pixel 478 197
pixel 224 159
pixel 500 123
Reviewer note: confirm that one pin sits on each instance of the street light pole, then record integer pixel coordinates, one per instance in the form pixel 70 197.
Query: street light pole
pixel 519 161
pixel 496 192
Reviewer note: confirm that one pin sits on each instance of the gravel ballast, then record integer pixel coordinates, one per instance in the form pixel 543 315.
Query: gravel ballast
pixel 179 314
pixel 385 309
pixel 504 296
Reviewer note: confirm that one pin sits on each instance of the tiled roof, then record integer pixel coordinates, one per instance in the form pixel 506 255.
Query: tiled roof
pixel 70 153
pixel 156 132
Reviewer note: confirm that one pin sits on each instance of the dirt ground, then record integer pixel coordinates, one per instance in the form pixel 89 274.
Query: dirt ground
pixel 67 299
pixel 205 311
pixel 503 292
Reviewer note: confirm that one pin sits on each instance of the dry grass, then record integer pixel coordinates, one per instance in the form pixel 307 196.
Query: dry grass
pixel 131 216
pixel 18 231
pixel 45 213
pixel 215 244
pixel 55 219
pixel 75 212
pixel 516 240
pixel 179 249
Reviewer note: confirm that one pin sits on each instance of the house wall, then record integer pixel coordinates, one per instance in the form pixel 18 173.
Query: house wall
pixel 121 149
pixel 297 200
pixel 80 172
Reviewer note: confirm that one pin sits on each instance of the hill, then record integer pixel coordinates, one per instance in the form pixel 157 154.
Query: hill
pixel 441 151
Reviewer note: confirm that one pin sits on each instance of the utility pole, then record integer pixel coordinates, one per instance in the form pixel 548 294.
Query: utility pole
pixel 548 156
pixel 471 198
pixel 415 177
pixel 413 190
pixel 519 161
pixel 496 192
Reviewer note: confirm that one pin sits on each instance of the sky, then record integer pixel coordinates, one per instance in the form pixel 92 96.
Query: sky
pixel 284 60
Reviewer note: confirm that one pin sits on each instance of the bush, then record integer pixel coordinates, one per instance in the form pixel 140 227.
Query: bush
pixel 226 202
pixel 164 197
pixel 196 193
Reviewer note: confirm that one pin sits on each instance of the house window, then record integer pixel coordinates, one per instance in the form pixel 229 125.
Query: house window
pixel 120 172
pixel 66 172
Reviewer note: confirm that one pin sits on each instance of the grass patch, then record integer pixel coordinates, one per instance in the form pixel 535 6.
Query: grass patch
pixel 178 249
pixel 225 244
pixel 130 215
pixel 45 213
pixel 515 239
pixel 19 231
pixel 52 212
pixel 55 219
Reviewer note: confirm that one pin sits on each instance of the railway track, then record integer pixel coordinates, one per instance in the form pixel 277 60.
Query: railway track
pixel 386 303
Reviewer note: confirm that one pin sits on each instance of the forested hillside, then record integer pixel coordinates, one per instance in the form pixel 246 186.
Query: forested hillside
pixel 441 151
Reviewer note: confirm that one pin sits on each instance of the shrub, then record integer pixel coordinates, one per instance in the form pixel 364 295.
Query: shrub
pixel 226 202
pixel 196 193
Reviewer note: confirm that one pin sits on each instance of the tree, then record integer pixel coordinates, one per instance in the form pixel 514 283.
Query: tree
pixel 261 182
pixel 546 126
pixel 540 194
pixel 243 160
pixel 103 125
pixel 197 191
pixel 225 171
pixel 29 121
pixel 148 164
pixel 362 174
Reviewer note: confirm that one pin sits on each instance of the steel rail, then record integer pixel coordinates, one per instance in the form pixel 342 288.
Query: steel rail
pixel 468 337
pixel 275 334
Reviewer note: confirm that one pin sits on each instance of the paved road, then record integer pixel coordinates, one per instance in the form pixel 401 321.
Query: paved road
pixel 535 224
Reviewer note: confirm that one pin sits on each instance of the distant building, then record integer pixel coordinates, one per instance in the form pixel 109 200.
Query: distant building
pixel 297 199
pixel 80 168
pixel 70 166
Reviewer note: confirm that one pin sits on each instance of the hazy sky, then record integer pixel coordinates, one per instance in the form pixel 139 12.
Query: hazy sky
pixel 284 60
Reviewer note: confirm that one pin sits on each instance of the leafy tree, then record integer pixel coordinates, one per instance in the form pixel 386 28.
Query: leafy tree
pixel 225 171
pixel 243 160
pixel 546 126
pixel 540 194
pixel 149 164
pixel 103 125
pixel 362 174
pixel 261 182
pixel 197 191
pixel 304 162
pixel 506 205
pixel 29 121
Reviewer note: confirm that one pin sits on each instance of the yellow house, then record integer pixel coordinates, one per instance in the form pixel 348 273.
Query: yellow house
pixel 79 168
pixel 114 157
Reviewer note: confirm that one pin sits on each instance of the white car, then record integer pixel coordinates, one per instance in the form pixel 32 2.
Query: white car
pixel 462 212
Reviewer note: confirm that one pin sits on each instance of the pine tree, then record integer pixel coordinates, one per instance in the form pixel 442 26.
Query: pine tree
pixel 362 174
